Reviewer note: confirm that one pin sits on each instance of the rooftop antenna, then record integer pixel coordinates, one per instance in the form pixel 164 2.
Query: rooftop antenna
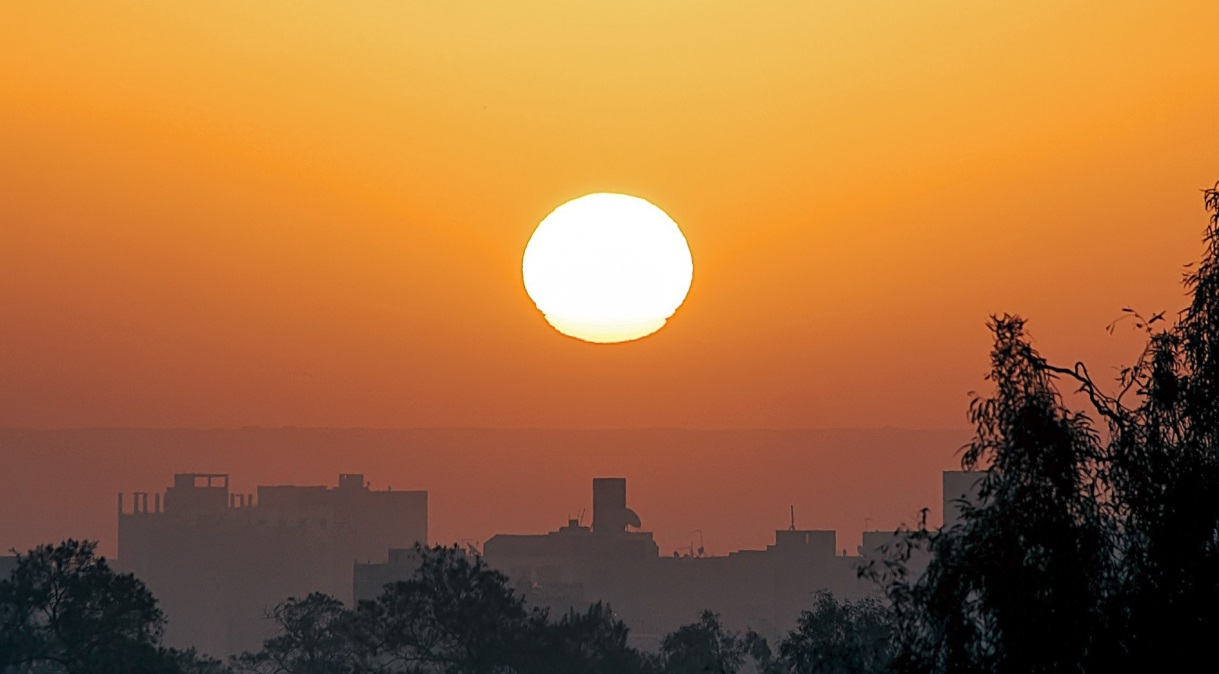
pixel 793 524
pixel 580 519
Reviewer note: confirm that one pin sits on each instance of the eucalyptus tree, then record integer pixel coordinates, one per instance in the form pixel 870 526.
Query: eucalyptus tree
pixel 1019 584
pixel 1086 551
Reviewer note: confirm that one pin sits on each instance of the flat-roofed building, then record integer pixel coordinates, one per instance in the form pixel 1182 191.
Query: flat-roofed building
pixel 217 560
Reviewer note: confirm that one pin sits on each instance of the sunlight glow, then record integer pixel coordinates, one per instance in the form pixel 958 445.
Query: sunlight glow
pixel 607 268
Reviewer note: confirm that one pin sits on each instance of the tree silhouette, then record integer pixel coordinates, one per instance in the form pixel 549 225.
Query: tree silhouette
pixel 1017 587
pixel 1164 473
pixel 455 615
pixel 62 609
pixel 703 646
pixel 592 642
pixel 1082 554
pixel 317 635
pixel 758 649
pixel 839 638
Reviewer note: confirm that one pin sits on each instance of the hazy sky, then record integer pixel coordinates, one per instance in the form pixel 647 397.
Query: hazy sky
pixel 232 213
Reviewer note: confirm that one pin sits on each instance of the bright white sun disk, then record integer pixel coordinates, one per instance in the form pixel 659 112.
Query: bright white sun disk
pixel 607 268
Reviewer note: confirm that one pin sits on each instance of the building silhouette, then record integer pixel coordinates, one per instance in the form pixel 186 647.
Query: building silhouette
pixel 217 561
pixel 614 561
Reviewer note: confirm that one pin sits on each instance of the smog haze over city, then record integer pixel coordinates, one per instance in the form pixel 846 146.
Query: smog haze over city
pixel 611 337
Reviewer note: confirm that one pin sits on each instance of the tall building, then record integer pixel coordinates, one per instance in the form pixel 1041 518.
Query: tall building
pixel 218 561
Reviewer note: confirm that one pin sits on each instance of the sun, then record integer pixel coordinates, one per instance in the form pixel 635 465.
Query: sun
pixel 607 268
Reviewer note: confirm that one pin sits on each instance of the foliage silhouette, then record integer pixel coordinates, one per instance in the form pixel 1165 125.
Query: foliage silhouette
pixel 839 638
pixel 1083 553
pixel 1164 475
pixel 317 635
pixel 62 609
pixel 703 646
pixel 453 616
pixel 593 642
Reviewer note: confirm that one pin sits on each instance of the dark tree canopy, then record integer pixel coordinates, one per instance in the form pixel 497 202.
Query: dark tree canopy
pixel 1017 586
pixel 839 638
pixel 317 635
pixel 63 610
pixel 453 616
pixel 1164 476
pixel 1088 551
pixel 593 641
pixel 704 646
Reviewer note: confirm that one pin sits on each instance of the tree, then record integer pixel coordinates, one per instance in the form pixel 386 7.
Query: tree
pixel 758 649
pixel 590 642
pixel 1083 554
pixel 1019 585
pixel 839 638
pixel 63 609
pixel 455 615
pixel 1164 476
pixel 317 635
pixel 703 646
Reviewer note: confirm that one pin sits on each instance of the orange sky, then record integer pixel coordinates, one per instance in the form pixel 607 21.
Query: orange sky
pixel 232 213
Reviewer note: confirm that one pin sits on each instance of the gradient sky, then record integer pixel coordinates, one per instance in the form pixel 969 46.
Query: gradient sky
pixel 236 213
